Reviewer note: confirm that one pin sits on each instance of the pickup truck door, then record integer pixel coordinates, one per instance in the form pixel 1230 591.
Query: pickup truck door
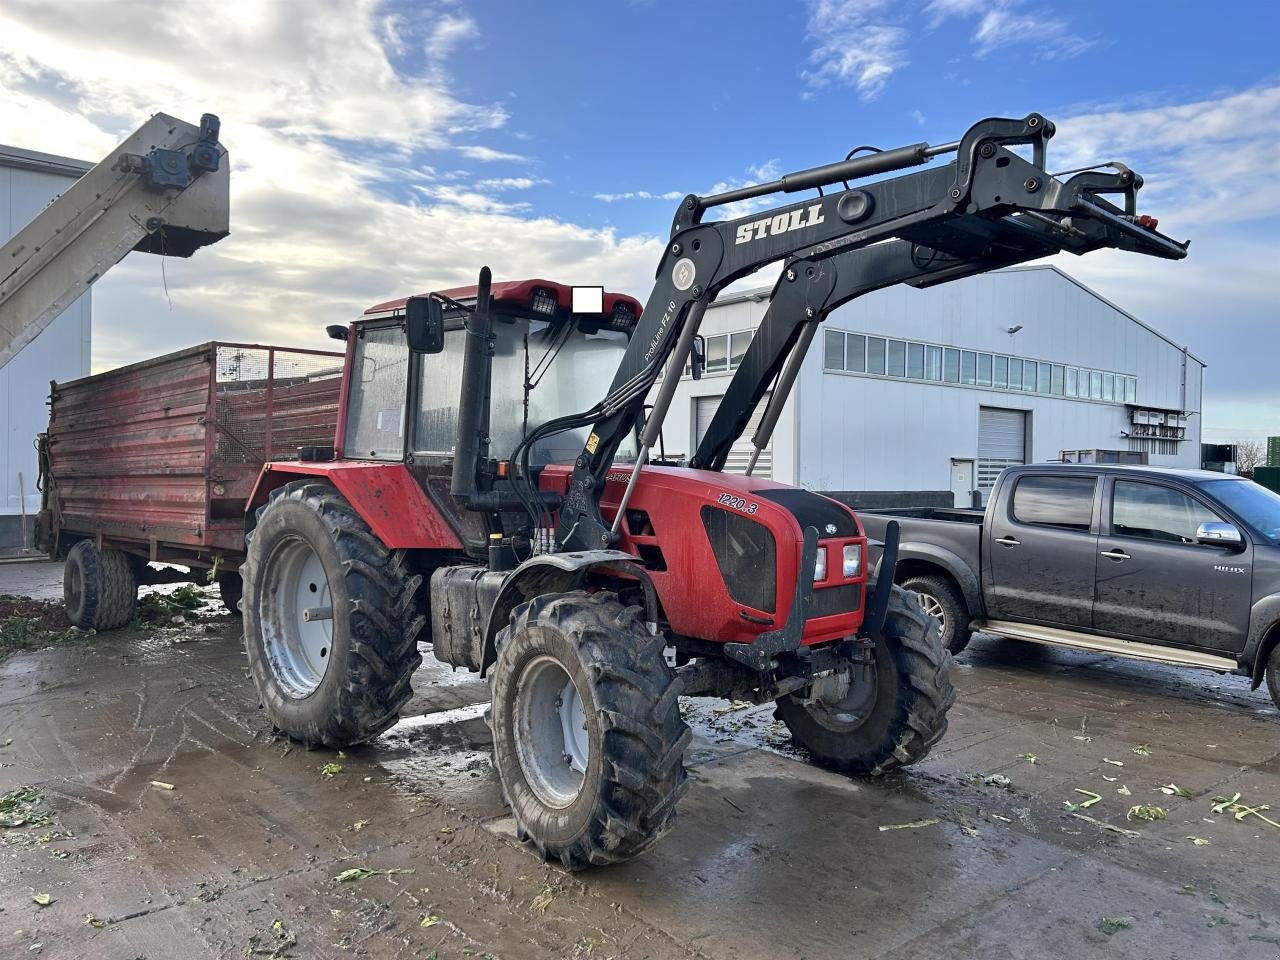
pixel 1041 549
pixel 1156 583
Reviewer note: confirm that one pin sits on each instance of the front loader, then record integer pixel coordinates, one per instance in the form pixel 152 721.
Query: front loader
pixel 484 496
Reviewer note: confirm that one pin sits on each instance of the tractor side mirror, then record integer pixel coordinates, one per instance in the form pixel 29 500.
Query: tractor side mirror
pixel 424 324
pixel 698 357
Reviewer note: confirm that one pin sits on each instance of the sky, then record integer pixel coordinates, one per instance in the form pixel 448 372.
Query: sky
pixel 383 148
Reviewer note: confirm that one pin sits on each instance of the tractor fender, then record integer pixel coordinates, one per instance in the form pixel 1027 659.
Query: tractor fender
pixel 559 573
pixel 1264 618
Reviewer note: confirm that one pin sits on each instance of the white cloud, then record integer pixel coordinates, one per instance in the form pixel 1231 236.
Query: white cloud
pixel 324 135
pixel 508 183
pixel 857 43
pixel 450 31
pixel 488 154
pixel 637 195
pixel 1003 23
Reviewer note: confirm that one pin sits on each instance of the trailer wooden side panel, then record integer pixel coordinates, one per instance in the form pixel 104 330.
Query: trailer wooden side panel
pixel 161 455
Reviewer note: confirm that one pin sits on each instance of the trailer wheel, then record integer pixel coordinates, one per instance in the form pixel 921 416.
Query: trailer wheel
pixel 231 589
pixel 588 739
pixel 941 600
pixel 330 618
pixel 99 587
pixel 885 714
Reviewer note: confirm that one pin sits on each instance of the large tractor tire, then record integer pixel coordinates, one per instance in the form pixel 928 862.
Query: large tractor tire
pixel 587 734
pixel 941 600
pixel 331 622
pixel 99 587
pixel 886 714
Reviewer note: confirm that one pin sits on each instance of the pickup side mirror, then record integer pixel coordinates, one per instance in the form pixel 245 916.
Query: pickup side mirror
pixel 1220 535
pixel 698 357
pixel 424 324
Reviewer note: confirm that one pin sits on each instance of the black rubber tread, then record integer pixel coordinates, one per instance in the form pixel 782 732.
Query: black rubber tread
pixel 913 670
pixel 231 589
pixel 377 623
pixel 957 634
pixel 635 772
pixel 109 592
pixel 1273 675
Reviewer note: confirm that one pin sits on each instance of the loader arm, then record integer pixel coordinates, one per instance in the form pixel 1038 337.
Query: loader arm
pixel 987 195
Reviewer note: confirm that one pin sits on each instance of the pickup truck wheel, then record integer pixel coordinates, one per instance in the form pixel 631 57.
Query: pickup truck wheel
pixel 587 735
pixel 887 713
pixel 941 600
pixel 99 587
pixel 330 623
pixel 1273 675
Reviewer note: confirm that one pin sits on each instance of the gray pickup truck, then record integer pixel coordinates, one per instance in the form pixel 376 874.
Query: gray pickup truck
pixel 1175 566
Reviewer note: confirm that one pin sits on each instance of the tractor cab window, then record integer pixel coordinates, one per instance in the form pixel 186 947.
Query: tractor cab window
pixel 540 371
pixel 379 381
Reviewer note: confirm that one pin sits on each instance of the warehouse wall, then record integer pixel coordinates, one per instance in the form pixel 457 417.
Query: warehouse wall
pixel 60 352
pixel 859 432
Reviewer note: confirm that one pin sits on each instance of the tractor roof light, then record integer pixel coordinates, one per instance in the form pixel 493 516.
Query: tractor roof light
pixel 544 301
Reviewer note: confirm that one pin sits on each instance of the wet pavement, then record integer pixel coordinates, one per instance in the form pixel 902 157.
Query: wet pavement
pixel 770 858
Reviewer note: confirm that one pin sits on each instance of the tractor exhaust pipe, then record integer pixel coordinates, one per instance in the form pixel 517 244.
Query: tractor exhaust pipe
pixel 473 408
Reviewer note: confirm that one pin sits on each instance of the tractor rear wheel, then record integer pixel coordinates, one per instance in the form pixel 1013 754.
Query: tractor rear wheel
pixel 330 619
pixel 587 734
pixel 886 713
pixel 99 587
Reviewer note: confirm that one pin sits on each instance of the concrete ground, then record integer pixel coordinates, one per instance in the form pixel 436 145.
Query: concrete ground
pixel 771 857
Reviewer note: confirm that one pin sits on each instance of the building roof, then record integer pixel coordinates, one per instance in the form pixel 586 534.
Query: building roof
pixel 759 294
pixel 21 159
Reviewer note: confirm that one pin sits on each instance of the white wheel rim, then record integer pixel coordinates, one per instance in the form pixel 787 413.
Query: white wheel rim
pixel 933 607
pixel 551 737
pixel 297 647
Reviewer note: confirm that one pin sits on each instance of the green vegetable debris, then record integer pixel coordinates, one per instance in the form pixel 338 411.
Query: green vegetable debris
pixel 913 825
pixel 1141 811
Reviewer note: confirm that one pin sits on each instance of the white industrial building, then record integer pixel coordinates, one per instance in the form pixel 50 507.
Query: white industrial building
pixel 922 396
pixel 28 182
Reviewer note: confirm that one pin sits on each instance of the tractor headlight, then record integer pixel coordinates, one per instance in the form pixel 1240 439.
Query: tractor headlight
pixel 820 565
pixel 852 559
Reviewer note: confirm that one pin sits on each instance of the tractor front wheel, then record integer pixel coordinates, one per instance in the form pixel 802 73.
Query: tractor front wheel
pixel 588 739
pixel 886 713
pixel 330 622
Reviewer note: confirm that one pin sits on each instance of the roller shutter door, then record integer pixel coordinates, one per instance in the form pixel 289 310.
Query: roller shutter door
pixel 1002 442
pixel 704 408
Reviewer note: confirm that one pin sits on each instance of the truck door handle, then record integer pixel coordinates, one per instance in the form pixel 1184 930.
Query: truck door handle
pixel 1008 542
pixel 1115 555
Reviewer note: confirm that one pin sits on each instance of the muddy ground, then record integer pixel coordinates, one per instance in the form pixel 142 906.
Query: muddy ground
pixel 771 858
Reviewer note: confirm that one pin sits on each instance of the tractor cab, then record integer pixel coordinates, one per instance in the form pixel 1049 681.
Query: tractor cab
pixel 549 348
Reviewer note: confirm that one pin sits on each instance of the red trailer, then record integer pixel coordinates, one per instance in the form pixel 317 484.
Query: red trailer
pixel 153 462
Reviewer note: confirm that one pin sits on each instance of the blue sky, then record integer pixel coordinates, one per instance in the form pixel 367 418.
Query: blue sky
pixel 379 147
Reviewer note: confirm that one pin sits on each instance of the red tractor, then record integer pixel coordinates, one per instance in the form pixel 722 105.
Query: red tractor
pixel 483 497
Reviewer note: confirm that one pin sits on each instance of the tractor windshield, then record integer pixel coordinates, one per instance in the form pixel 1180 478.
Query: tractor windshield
pixel 541 370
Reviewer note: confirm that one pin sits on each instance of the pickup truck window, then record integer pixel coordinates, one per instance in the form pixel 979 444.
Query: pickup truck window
pixel 1150 511
pixel 1055 501
pixel 1256 505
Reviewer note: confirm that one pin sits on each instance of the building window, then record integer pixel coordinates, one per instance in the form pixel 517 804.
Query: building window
pixel 738 343
pixel 933 363
pixel 875 355
pixel 881 356
pixel 915 361
pixel 833 351
pixel 951 365
pixel 897 365
pixel 717 354
pixel 855 353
